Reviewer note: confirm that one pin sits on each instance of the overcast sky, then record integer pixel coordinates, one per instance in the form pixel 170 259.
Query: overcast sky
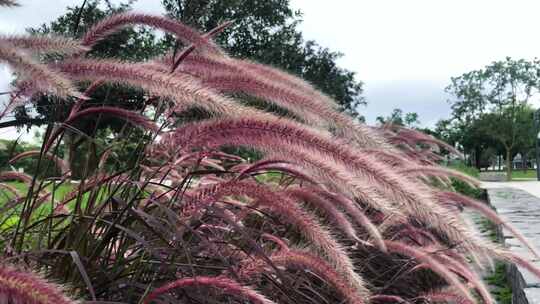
pixel 404 51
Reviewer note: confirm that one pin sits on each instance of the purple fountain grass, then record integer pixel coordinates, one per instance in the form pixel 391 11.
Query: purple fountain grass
pixel 226 156
pixel 269 134
pixel 14 175
pixel 130 116
pixel 276 144
pixel 289 211
pixel 284 139
pixel 104 158
pixel 224 285
pixel 96 180
pixel 212 163
pixel 310 105
pixel 15 100
pixel 117 22
pixel 60 163
pixel 472 245
pixel 413 137
pixel 347 127
pixel 269 164
pixel 224 65
pixel 356 214
pixel 463 271
pixel 391 158
pixel 428 154
pixel 262 133
pixel 382 298
pixel 248 168
pixel 38 74
pixel 319 203
pixel 89 90
pixel 452 231
pixel 316 151
pixel 38 200
pixel 227 74
pixel 302 260
pixel 184 89
pixel 486 211
pixel 437 267
pixel 9 188
pixel 279 241
pixel 445 297
pixel 176 168
pixel 18 286
pixel 370 189
pixel 197 65
pixel 187 51
pixel 416 156
pixel 44 44
pixel 415 234
pixel 301 106
pixel 519 260
pixel 441 172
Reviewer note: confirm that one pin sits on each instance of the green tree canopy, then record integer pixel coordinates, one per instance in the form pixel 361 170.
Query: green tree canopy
pixel 397 117
pixel 493 101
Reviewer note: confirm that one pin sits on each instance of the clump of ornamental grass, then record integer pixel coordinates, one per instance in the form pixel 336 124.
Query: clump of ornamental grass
pixel 333 211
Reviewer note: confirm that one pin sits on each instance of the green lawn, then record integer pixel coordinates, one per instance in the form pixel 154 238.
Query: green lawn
pixel 9 220
pixel 520 174
pixel 471 171
pixel 60 192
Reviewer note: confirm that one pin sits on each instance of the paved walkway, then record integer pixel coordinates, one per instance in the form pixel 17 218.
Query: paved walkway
pixel 519 204
pixel 532 187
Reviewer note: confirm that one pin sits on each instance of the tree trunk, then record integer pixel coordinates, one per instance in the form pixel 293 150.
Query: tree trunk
pixel 508 164
pixel 524 165
pixel 70 146
pixel 68 143
pixel 477 153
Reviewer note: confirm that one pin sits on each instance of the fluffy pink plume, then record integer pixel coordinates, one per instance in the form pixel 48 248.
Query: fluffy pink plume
pixel 18 286
pixel 223 285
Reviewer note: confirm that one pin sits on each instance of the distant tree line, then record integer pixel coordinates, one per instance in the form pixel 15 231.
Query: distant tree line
pixel 492 118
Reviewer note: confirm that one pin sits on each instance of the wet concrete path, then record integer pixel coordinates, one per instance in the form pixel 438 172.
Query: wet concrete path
pixel 518 206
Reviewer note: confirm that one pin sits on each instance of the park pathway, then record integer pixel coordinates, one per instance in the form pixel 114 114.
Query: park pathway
pixel 519 204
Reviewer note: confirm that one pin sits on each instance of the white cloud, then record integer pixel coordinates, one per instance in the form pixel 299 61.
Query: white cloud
pixel 32 13
pixel 149 7
pixel 420 43
pixel 5 78
pixel 422 39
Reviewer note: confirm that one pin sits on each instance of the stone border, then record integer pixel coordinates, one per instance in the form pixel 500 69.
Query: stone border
pixel 525 286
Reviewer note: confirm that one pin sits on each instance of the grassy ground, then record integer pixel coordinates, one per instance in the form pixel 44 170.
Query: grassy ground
pixel 520 174
pixel 501 286
pixel 471 171
pixel 44 209
pixel 498 282
pixel 60 191
pixel 516 174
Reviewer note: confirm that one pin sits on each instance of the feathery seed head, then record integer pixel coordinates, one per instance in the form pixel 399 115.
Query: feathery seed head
pixel 222 284
pixel 18 286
